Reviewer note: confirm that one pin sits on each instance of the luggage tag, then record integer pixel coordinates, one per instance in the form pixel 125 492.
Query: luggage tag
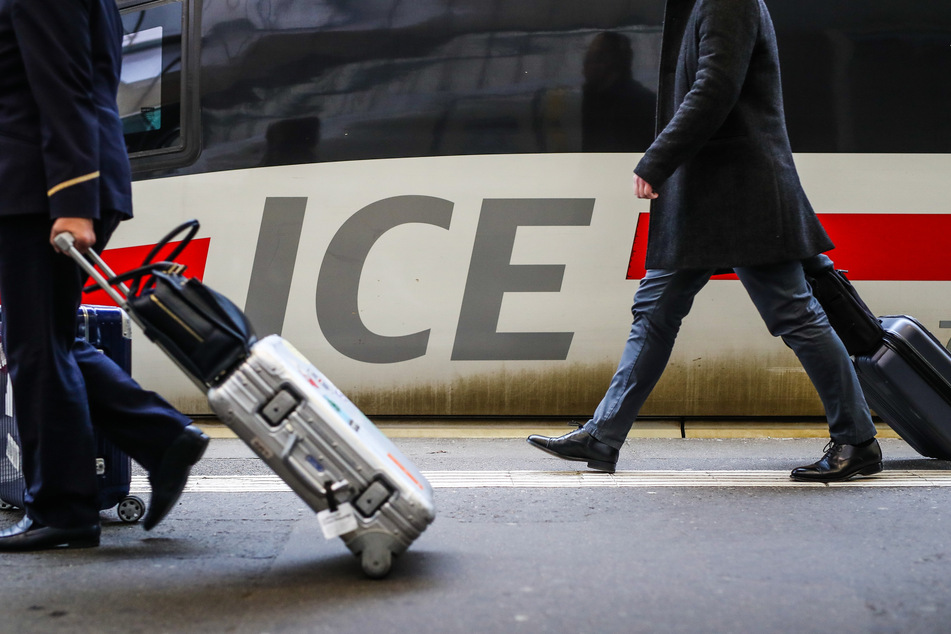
pixel 338 518
pixel 338 522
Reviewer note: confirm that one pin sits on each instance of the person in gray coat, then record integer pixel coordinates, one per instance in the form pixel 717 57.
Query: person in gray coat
pixel 725 194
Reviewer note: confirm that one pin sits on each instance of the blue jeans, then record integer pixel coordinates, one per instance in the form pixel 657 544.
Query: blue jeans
pixel 785 302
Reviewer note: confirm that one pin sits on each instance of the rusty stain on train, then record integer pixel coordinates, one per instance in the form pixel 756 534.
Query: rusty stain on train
pixel 736 386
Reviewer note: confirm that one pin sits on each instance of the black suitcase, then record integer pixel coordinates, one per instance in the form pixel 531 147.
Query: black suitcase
pixel 907 381
pixel 110 331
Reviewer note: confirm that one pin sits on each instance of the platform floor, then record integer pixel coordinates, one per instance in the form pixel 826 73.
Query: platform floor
pixel 691 535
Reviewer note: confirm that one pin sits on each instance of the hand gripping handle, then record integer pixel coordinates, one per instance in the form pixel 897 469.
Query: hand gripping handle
pixel 94 266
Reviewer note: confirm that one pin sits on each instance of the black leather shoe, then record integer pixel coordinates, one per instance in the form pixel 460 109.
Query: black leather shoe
pixel 168 481
pixel 580 446
pixel 29 535
pixel 842 462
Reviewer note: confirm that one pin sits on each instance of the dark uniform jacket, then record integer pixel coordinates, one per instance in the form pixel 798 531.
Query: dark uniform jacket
pixel 62 151
pixel 729 194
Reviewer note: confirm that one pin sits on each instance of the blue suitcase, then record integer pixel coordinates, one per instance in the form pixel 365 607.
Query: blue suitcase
pixel 109 330
pixel 907 381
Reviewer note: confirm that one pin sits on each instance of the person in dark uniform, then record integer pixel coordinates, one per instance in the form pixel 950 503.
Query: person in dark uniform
pixel 725 194
pixel 63 167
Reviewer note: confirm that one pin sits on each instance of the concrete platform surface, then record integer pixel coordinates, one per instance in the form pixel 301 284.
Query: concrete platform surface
pixel 691 535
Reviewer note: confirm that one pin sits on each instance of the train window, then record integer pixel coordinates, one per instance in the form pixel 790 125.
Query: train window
pixel 157 97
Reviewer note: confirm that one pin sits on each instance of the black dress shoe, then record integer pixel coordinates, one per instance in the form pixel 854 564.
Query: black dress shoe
pixel 168 481
pixel 842 462
pixel 29 535
pixel 581 446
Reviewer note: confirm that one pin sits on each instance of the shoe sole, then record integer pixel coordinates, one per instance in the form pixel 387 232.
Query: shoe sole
pixel 864 471
pixel 602 466
pixel 88 543
pixel 597 465
pixel 53 544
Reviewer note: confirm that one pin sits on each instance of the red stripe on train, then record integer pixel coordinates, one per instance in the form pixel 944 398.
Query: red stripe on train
pixel 906 247
pixel 195 256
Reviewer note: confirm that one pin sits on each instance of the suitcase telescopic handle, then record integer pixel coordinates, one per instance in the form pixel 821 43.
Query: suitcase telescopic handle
pixel 95 267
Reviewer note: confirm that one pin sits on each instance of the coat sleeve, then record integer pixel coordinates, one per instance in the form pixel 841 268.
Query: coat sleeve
pixel 55 43
pixel 727 34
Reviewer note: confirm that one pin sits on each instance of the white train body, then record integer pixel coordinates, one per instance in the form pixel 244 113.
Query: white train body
pixel 451 281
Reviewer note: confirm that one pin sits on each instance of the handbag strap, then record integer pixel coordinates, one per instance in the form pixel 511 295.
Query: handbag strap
pixel 189 227
pixel 136 275
pixel 148 267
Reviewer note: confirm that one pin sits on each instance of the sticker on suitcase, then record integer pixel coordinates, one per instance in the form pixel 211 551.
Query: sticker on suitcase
pixel 364 489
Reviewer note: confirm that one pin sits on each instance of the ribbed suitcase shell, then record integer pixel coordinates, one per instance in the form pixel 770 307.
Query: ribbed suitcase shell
pixel 312 436
pixel 108 329
pixel 907 381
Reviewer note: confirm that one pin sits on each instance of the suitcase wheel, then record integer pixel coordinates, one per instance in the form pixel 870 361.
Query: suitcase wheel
pixel 376 549
pixel 376 561
pixel 131 509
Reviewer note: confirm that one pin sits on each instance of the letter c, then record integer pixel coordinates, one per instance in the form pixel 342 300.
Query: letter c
pixel 338 282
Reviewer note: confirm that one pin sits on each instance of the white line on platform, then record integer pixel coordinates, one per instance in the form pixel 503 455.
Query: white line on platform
pixel 577 479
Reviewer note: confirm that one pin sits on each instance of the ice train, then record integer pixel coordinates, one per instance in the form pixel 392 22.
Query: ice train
pixel 431 198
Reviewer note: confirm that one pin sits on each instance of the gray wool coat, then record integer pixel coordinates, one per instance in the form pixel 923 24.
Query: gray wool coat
pixel 729 193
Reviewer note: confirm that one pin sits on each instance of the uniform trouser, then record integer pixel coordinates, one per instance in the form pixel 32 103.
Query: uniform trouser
pixel 62 386
pixel 785 302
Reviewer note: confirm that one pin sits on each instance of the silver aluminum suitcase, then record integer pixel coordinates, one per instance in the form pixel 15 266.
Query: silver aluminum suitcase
pixel 327 451
pixel 363 488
